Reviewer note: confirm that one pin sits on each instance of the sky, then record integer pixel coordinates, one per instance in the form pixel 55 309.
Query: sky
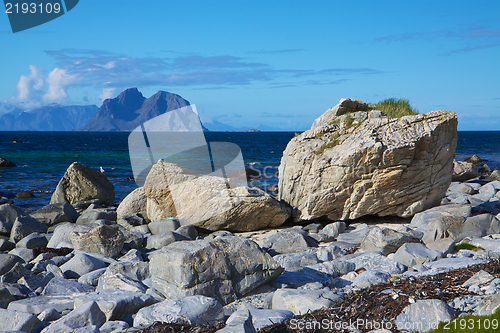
pixel 268 64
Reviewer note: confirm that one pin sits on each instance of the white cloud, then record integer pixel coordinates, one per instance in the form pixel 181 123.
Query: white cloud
pixel 58 81
pixel 107 93
pixel 29 87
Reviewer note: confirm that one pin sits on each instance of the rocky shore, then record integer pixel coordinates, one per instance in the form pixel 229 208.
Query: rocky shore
pixel 368 225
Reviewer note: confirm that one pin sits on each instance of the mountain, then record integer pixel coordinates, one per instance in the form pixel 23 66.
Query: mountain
pixel 48 118
pixel 130 109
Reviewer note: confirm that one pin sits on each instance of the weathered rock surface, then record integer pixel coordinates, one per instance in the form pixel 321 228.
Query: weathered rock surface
pixel 345 169
pixel 81 183
pixel 17 321
pixel 224 268
pixel 385 240
pixel 463 171
pixel 85 315
pixel 104 239
pixel 424 315
pixel 55 213
pixel 170 190
pixel 134 202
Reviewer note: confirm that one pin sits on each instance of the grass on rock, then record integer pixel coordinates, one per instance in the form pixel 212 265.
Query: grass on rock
pixel 467 246
pixel 395 108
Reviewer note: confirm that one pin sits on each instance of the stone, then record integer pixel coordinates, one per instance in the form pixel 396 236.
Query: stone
pixel 333 268
pixel 459 228
pixel 296 261
pixel 463 171
pixel 6 245
pixel 158 227
pixel 266 317
pixel 354 237
pixel 116 304
pixel 16 272
pixel 480 278
pixel 332 230
pixel 187 231
pixel 457 187
pixel 133 203
pixel 8 215
pixel 120 282
pixel 92 278
pixel 85 315
pixel 224 268
pixel 487 244
pixel 488 306
pixel 113 326
pixel 24 226
pixel 34 282
pixel 5 297
pixel 138 271
pixel 329 252
pixel 55 213
pixel 495 175
pixel 25 254
pixel 424 315
pixel 189 310
pixel 300 301
pixel 132 255
pixel 289 241
pixel 132 220
pixel 443 245
pixel 302 279
pixel 421 220
pixel 92 215
pixel 104 239
pixel 81 183
pixel 412 254
pixel 6 163
pixel 158 241
pixel 132 239
pixel 17 321
pixel 37 305
pixel 345 105
pixel 239 322
pixel 33 240
pixel 448 264
pixel 370 277
pixel 49 315
pixel 81 264
pixel 218 205
pixel 380 166
pixel 385 240
pixel 374 261
pixel 59 286
pixel 7 261
pixel 63 231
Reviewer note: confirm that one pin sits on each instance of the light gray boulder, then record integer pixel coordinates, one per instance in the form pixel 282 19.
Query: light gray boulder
pixel 81 183
pixel 354 237
pixel 421 220
pixel 113 326
pixel 424 315
pixel 33 240
pixel 296 261
pixel 385 240
pixel 85 315
pixel 374 261
pixel 463 171
pixel 92 278
pixel 132 255
pixel 332 230
pixel 8 215
pixel 460 227
pixel 132 220
pixel 448 264
pixel 37 281
pixel 443 245
pixel 302 301
pixel 133 203
pixel 116 304
pixel 38 304
pixel 239 322
pixel 266 317
pixel 488 306
pixel 412 254
pixel 49 315
pixel 120 282
pixel 289 241
pixel 369 278
pixel 15 273
pixel 63 231
pixel 369 166
pixel 187 231
pixel 24 226
pixel 25 254
pixel 136 270
pixel 17 321
pixel 158 227
pixel 104 239
pixel 189 310
pixel 480 278
pixel 459 199
pixel 158 241
pixel 58 286
pixel 81 264
pixel 224 268
pixel 55 213
pixel 92 215
pixel 457 187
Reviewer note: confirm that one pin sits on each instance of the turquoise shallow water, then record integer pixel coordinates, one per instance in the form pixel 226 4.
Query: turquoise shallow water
pixel 43 157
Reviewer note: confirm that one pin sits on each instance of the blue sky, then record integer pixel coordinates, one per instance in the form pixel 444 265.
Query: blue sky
pixel 251 63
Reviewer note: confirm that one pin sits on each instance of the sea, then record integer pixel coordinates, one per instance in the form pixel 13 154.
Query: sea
pixel 43 157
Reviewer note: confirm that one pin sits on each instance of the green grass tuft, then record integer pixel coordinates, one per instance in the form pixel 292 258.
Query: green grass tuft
pixel 330 144
pixel 396 108
pixel 348 121
pixel 471 324
pixel 467 246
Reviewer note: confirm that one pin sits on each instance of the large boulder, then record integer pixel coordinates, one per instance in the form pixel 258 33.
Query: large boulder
pixel 209 202
pixel 81 183
pixel 463 171
pixel 134 202
pixel 351 165
pixel 104 239
pixel 224 268
pixel 55 213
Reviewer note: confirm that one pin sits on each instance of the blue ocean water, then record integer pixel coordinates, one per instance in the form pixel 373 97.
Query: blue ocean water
pixel 43 157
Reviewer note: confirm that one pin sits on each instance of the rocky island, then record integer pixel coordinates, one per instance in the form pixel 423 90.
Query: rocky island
pixel 375 222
